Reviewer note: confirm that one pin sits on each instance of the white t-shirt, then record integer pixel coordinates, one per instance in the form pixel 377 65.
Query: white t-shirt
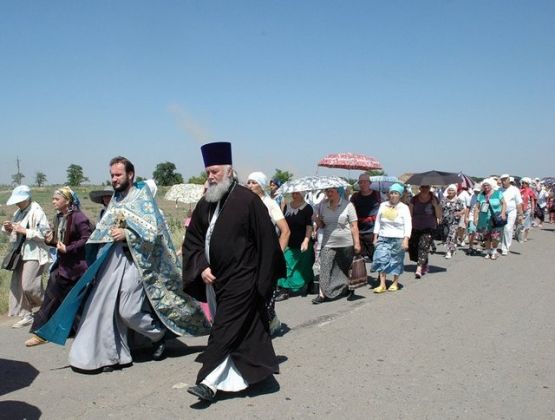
pixel 393 222
pixel 512 197
pixel 465 197
pixel 542 198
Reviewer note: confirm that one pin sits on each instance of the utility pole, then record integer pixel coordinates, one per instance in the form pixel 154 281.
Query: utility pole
pixel 18 177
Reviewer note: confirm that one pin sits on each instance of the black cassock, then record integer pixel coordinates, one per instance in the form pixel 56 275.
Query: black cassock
pixel 246 259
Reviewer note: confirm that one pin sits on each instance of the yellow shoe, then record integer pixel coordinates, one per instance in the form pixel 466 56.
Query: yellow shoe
pixel 380 289
pixel 393 288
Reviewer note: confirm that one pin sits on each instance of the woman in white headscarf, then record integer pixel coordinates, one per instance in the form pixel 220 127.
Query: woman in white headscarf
pixel 257 182
pixel 490 201
pixel 452 208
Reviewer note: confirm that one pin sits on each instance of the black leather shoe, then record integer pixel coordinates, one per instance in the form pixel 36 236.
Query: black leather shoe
pixel 351 296
pixel 319 299
pixel 202 391
pixel 158 349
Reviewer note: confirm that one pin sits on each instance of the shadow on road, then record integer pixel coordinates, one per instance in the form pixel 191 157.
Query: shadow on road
pixel 431 269
pixel 15 410
pixel 15 375
pixel 174 348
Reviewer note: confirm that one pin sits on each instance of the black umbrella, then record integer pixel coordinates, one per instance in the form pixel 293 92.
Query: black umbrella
pixel 434 178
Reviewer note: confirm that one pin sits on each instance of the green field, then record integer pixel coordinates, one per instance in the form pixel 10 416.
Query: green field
pixel 174 217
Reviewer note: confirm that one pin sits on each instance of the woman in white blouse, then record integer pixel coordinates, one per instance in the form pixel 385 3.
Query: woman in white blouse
pixel 391 238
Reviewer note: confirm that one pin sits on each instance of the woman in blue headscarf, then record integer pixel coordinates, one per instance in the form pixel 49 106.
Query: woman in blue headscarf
pixel 391 238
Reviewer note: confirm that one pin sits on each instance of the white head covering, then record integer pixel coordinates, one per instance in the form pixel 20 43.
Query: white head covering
pixel 152 185
pixel 259 178
pixel 451 187
pixel 526 179
pixel 490 181
pixel 19 194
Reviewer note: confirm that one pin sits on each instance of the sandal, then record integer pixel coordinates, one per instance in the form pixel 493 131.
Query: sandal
pixel 380 289
pixel 494 256
pixel 35 340
pixel 393 288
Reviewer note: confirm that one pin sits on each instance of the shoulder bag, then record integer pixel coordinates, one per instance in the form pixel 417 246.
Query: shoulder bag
pixel 12 258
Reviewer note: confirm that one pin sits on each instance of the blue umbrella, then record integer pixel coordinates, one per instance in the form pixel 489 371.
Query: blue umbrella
pixel 382 183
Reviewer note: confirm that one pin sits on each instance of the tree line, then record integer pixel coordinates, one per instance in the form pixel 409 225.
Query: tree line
pixel 165 174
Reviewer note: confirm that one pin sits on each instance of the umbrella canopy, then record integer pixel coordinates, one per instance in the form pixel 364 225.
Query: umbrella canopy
pixel 382 183
pixel 185 193
pixel 434 178
pixel 312 183
pixel 466 181
pixel 548 180
pixel 350 161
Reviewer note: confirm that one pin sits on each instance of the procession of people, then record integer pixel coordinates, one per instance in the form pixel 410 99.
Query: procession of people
pixel 247 246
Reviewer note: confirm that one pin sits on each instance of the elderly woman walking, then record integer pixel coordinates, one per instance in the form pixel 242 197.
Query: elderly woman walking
pixel 489 202
pixel 391 238
pixel 337 219
pixel 453 209
pixel 426 214
pixel 257 182
pixel 70 232
pixel 26 228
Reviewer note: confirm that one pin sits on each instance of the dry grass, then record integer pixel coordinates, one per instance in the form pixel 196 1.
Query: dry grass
pixel 174 217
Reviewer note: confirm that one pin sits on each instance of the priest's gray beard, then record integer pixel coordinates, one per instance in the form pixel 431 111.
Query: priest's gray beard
pixel 215 192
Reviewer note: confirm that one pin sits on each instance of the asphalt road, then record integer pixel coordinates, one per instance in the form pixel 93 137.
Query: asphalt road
pixel 474 339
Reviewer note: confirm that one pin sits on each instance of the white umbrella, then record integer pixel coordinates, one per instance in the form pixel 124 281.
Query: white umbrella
pixel 185 193
pixel 312 183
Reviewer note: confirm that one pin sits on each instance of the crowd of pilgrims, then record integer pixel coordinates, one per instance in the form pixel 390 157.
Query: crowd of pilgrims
pixel 320 233
pixel 382 226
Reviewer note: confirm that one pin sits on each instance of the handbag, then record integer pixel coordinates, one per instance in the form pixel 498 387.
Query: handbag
pixel 497 220
pixel 12 258
pixel 358 276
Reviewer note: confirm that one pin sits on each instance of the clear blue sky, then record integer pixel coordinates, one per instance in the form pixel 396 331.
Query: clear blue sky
pixel 448 85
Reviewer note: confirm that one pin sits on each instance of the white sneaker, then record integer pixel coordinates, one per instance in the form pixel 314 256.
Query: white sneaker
pixel 448 255
pixel 23 322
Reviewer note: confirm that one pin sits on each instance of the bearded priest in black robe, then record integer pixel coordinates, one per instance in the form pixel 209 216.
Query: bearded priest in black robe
pixel 232 260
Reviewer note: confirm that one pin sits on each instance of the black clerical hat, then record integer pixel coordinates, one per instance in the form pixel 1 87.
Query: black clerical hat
pixel 218 153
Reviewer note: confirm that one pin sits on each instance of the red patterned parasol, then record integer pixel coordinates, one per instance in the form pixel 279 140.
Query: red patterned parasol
pixel 350 161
